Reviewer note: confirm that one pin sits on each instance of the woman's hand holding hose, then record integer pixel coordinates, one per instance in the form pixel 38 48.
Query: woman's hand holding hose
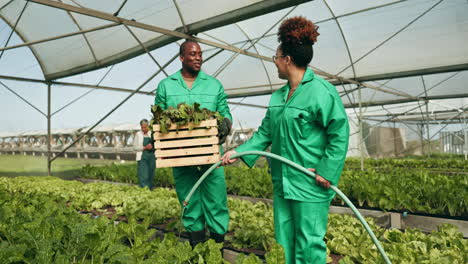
pixel 226 158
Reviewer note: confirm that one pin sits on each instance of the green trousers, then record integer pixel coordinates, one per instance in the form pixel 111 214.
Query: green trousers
pixel 208 205
pixel 300 228
pixel 146 167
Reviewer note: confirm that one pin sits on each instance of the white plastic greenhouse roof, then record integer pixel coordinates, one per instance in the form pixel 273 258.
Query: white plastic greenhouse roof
pixel 107 39
pixel 396 51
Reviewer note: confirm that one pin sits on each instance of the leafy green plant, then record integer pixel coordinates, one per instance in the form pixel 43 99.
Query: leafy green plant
pixel 406 190
pixel 400 189
pixel 37 229
pixel 254 182
pixel 182 115
pixel 32 206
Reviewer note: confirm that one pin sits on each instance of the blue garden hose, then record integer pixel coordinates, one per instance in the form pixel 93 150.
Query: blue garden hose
pixel 304 170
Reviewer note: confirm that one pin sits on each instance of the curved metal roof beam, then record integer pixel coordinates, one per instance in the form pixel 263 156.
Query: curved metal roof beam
pixel 347 14
pixel 343 37
pixel 24 40
pixel 425 89
pixel 14 27
pixel 347 50
pixel 228 61
pixel 393 35
pixel 256 50
pixel 180 16
pixel 146 50
pixel 84 36
pixel 253 43
pixel 5 5
pixel 372 97
pixel 120 8
pixel 437 84
pixel 263 63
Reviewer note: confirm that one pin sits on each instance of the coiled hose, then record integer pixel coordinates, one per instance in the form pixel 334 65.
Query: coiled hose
pixel 304 170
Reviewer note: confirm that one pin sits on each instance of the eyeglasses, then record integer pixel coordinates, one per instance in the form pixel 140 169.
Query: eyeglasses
pixel 274 57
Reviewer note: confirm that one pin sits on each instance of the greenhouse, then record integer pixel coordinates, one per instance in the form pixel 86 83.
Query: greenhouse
pixel 77 76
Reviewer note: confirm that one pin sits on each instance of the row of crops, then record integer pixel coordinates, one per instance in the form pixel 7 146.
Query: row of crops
pixel 388 184
pixel 30 207
pixel 441 162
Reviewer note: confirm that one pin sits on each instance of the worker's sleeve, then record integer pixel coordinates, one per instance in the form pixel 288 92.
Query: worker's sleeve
pixel 332 116
pixel 259 141
pixel 160 98
pixel 222 105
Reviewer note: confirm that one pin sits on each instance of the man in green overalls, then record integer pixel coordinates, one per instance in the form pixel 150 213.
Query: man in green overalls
pixel 305 123
pixel 143 145
pixel 208 205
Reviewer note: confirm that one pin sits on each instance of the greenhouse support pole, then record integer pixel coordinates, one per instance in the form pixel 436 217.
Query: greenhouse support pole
pixel 49 136
pixel 395 152
pixel 428 147
pixel 421 136
pixel 427 130
pixel 361 139
pixel 465 128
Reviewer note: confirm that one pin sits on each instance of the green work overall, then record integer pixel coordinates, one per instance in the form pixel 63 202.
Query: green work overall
pixel 146 166
pixel 311 129
pixel 209 203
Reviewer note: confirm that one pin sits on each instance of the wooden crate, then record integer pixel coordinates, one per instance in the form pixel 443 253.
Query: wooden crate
pixel 185 147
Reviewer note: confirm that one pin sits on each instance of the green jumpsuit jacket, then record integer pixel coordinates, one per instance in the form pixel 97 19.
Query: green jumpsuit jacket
pixel 311 129
pixel 208 204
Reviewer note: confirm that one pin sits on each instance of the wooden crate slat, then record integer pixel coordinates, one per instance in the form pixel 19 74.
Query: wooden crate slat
pixel 186 142
pixel 186 151
pixel 206 123
pixel 191 161
pixel 213 131
pixel 184 147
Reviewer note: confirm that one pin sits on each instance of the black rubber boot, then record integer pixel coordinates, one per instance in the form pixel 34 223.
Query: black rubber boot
pixel 217 237
pixel 196 238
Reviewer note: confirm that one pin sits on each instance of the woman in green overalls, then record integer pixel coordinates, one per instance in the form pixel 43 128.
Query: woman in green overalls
pixel 306 123
pixel 143 145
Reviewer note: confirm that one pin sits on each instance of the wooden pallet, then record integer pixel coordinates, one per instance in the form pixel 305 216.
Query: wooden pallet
pixel 184 147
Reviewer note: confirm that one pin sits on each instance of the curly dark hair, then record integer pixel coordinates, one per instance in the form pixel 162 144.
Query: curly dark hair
pixel 296 36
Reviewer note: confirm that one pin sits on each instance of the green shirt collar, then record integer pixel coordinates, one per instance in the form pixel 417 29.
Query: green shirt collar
pixel 178 75
pixel 308 76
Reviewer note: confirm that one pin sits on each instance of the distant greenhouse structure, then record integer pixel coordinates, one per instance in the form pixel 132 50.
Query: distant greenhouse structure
pixel 113 142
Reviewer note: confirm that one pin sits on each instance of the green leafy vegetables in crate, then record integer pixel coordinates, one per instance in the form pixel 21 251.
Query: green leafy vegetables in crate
pixel 182 115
